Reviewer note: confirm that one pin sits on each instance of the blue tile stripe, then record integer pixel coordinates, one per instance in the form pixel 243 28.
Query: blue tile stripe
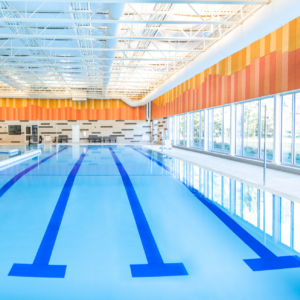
pixel 11 182
pixel 40 266
pixel 155 267
pixel 268 260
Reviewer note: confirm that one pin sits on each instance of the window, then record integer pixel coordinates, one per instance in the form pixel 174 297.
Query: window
pixel 171 129
pixel 226 129
pixel 210 129
pixel 202 122
pixel 270 128
pixel 239 129
pixel 250 129
pixel 291 129
pixel 182 129
pixel 14 129
pixel 198 129
pixel 219 129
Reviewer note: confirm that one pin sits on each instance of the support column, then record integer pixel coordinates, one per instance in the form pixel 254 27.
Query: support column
pixel 277 130
pixel 232 129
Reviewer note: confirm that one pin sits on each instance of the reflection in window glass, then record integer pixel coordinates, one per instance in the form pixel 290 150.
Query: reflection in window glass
pixel 226 129
pixel 261 209
pixel 217 188
pixel 196 178
pixel 226 192
pixel 285 221
pixel 181 171
pixel 202 130
pixel 287 127
pixel 297 226
pixel 297 129
pixel 250 204
pixel 238 198
pixel 270 128
pixel 269 213
pixel 251 129
pixel 239 130
pixel 218 126
pixel 201 180
pixel 209 184
pixel 196 129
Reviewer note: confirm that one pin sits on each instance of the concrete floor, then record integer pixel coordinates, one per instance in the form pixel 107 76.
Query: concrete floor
pixel 283 184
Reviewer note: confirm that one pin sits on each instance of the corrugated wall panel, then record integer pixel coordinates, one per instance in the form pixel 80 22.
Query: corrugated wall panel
pixel 268 66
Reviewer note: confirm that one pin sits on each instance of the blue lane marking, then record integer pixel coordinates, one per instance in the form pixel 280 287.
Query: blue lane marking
pixel 10 183
pixel 268 260
pixel 156 266
pixel 40 266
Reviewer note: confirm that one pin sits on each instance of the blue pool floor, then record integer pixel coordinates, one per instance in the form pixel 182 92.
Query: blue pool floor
pixel 96 191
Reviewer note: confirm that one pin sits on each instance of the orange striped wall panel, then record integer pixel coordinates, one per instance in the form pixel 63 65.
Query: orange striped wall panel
pixel 268 66
pixel 64 109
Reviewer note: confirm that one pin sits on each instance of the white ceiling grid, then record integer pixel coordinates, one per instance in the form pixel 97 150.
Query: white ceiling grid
pixel 56 49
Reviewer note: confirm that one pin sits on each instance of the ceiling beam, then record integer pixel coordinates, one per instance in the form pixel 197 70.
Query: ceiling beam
pixel 222 2
pixel 104 37
pixel 58 64
pixel 97 49
pixel 90 73
pixel 104 21
pixel 95 58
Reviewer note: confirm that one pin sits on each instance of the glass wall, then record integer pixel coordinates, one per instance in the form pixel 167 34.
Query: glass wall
pixel 171 128
pixel 182 126
pixel 290 136
pixel 250 128
pixel 188 130
pixel 198 129
pixel 219 129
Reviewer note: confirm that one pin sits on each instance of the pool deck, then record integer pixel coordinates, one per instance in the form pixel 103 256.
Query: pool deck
pixel 283 184
pixel 280 183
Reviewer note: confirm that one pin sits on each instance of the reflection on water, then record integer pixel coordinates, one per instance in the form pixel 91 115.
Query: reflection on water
pixel 270 218
pixel 22 149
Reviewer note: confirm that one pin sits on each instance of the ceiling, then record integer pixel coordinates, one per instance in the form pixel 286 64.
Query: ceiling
pixel 107 50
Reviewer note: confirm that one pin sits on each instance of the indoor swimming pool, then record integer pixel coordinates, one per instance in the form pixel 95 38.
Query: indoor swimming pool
pixel 21 149
pixel 126 222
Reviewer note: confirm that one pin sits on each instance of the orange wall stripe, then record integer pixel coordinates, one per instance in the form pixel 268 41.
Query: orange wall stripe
pixel 268 66
pixel 56 109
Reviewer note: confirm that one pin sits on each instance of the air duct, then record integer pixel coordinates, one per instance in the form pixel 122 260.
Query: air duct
pixel 116 11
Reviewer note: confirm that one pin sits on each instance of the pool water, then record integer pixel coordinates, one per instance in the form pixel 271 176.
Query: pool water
pixel 123 222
